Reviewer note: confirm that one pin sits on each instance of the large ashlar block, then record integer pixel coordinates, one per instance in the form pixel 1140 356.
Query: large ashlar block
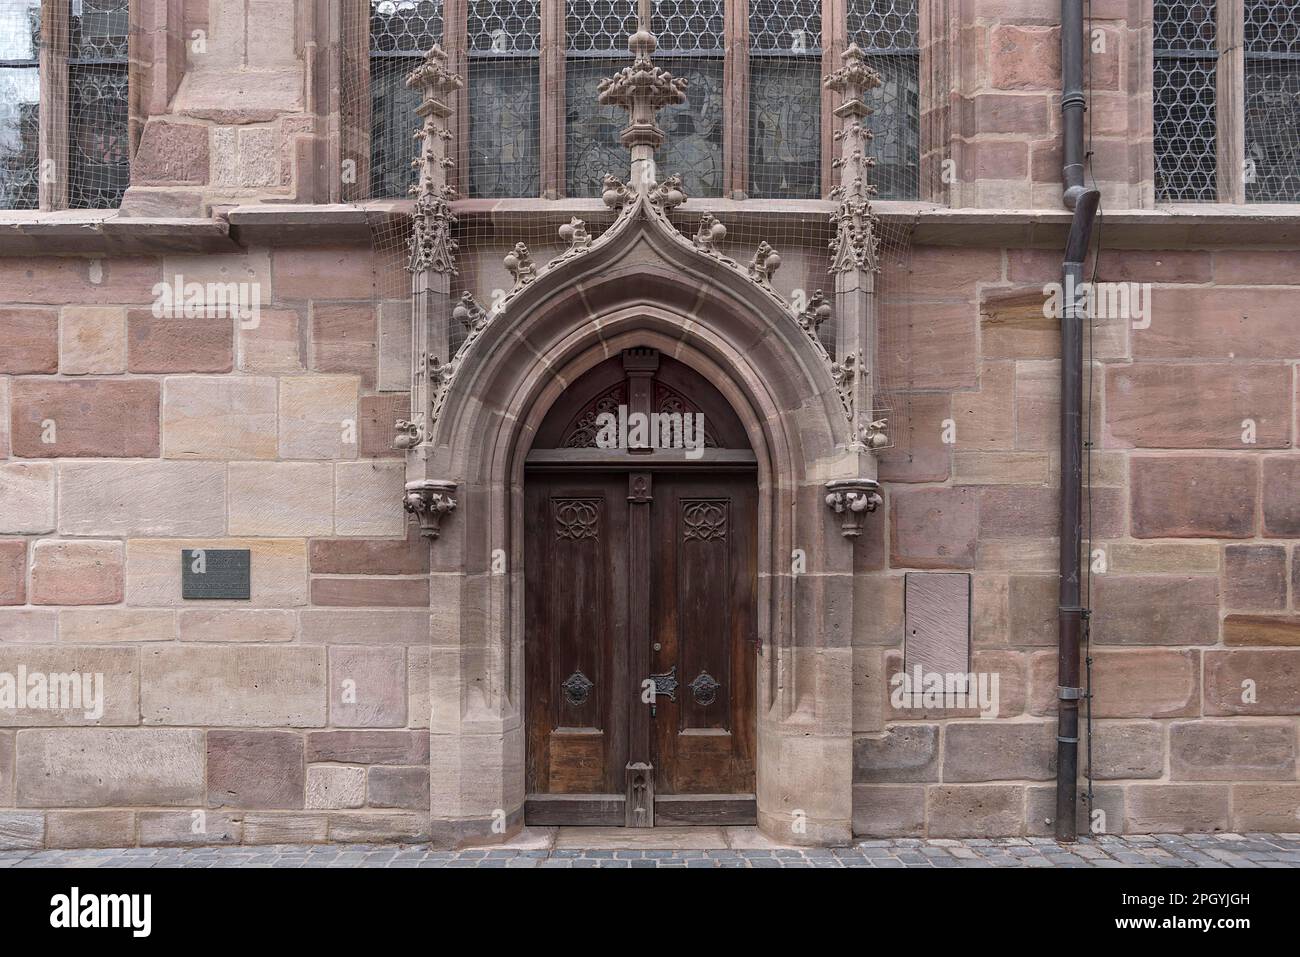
pixel 332 786
pixel 394 346
pixel 237 624
pixel 473 776
pixel 986 419
pixel 21 830
pixel 13 571
pixel 142 498
pixel 1194 496
pixel 255 769
pixel 1127 749
pixel 281 498
pixel 1176 808
pixel 110 767
pixel 1266 807
pixel 1236 750
pixel 92 340
pixel 36 626
pixel 806 794
pixel 272 346
pixel 76 573
pixel 888 811
pixel 189 827
pixel 1253 681
pixel 999 751
pixel 77 829
pixel 89 626
pixel 370 626
pixel 27 491
pixel 278 571
pixel 975 810
pixel 318 417
pixel 241 686
pixel 86 418
pixel 219 417
pixel 368 498
pixel 77 686
pixel 1187 612
pixel 31 338
pixel 367 687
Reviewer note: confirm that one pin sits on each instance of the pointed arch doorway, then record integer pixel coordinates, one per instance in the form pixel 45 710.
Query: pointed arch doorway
pixel 640 603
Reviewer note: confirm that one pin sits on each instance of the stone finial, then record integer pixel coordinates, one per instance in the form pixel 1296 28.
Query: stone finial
pixel 430 245
pixel 853 81
pixel 856 243
pixel 642 89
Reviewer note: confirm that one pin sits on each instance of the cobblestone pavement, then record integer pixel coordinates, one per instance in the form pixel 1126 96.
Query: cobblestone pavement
pixel 1164 850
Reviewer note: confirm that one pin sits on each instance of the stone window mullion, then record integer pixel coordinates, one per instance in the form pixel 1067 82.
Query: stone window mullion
pixel 54 164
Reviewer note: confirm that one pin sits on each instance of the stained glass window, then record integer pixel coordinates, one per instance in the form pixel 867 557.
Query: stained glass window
pixel 691 45
pixel 887 31
pixel 1272 115
pixel 1184 77
pixel 401 33
pixel 98 145
pixel 596 33
pixel 504 106
pixel 20 90
pixel 785 73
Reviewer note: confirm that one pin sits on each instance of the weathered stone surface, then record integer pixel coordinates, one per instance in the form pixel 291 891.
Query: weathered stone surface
pixel 171 153
pixel 975 810
pixel 1219 323
pixel 31 338
pixel 394 346
pixel 942 353
pixel 368 627
pixel 344 338
pixel 1193 496
pixel 370 827
pixel 1160 557
pixel 1025 58
pixel 1107 806
pixel 237 624
pixel 933 527
pixel 370 591
pixel 1038 401
pixel 379 417
pixel 1155 610
pixel 1250 681
pixel 219 417
pixel 406 788
pixel 985 419
pixel 28 625
pixel 179 345
pixel 1265 807
pixel 21 830
pixel 272 347
pixel 188 828
pixel 368 498
pixel 368 687
pixel 88 626
pixel 1001 468
pixel 285 828
pixel 13 572
pixel 999 751
pixel 1232 751
pixel 89 280
pixel 27 490
pixel 1176 808
pixel 4 417
pixel 255 769
pixel 278 571
pixel 142 498
pixel 322 272
pixel 73 829
pixel 1254 577
pixel 238 686
pixel 1147 407
pixel 418 698
pixel 919 453
pixel 335 786
pixel 1138 683
pixel 379 556
pixel 1032 604
pixel 318 417
pixel 91 418
pixel 69 686
pixel 281 498
pixel 76 573
pixel 6 768
pixel 1126 749
pixel 92 340
pixel 103 767
pixel 1281 496
pixel 1281 630
pixel 368 747
pixel 903 754
pixel 884 811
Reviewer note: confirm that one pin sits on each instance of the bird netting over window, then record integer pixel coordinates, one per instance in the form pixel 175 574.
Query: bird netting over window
pixel 751 127
pixel 1185 77
pixel 1272 114
pixel 64 140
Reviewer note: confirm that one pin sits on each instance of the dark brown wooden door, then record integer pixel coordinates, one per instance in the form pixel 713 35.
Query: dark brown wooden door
pixel 630 575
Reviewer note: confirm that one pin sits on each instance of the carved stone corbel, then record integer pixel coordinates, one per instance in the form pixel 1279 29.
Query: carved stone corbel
pixel 429 500
pixel 853 500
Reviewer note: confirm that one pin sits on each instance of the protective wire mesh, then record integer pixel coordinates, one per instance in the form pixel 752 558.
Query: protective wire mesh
pixel 1185 74
pixel 509 56
pixel 1272 113
pixel 64 140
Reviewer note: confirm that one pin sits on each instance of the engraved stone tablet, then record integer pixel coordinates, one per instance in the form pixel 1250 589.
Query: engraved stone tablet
pixel 215 573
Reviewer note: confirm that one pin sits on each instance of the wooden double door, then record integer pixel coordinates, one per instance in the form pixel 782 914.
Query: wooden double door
pixel 640 647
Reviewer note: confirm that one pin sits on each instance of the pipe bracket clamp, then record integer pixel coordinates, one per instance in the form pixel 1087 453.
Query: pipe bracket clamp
pixel 1069 694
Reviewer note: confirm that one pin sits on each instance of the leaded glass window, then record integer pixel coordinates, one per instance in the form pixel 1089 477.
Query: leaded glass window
pixel 20 92
pixel 98 146
pixel 692 44
pixel 401 33
pixel 504 108
pixel 785 73
pixel 596 33
pixel 888 32
pixel 1272 113
pixel 1185 75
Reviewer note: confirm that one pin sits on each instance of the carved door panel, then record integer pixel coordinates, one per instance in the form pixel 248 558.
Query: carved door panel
pixel 703 626
pixel 575 634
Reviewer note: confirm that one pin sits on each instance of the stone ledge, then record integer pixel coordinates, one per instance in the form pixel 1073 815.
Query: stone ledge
pixel 1166 227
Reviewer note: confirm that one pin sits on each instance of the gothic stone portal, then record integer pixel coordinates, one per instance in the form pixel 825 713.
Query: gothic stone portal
pixel 640 632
